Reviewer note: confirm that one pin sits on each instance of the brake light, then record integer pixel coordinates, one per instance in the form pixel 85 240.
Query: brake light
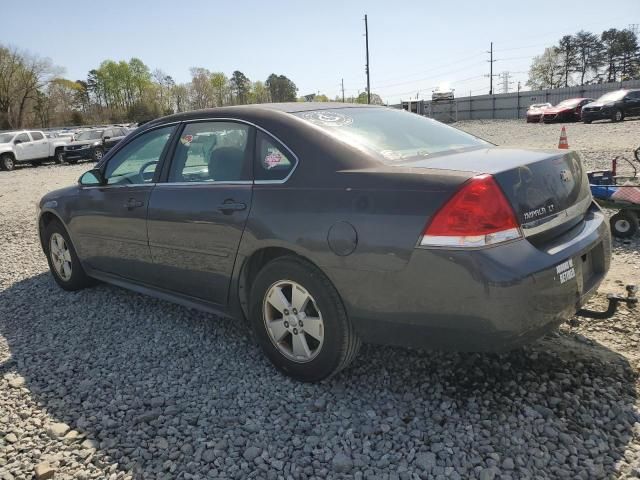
pixel 477 215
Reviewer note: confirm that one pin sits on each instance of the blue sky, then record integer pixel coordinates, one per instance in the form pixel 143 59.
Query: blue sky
pixel 414 45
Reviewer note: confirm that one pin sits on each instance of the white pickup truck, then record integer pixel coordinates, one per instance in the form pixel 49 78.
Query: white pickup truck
pixel 29 146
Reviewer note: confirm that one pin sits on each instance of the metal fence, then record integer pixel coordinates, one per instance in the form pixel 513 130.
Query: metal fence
pixel 507 105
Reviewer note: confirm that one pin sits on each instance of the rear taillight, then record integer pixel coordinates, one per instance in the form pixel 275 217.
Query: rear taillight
pixel 477 215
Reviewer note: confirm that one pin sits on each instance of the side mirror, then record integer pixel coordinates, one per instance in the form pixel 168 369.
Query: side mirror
pixel 106 138
pixel 17 142
pixel 92 178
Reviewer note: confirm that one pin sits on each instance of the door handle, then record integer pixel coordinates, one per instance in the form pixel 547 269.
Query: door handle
pixel 133 203
pixel 229 206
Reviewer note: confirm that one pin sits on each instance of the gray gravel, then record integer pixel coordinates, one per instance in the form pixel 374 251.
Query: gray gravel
pixel 105 383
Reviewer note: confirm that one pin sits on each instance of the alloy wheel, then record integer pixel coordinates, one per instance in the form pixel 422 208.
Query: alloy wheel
pixel 293 321
pixel 7 162
pixel 60 256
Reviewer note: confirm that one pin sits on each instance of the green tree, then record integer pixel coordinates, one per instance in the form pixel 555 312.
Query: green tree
pixel 568 57
pixel 240 85
pixel 545 71
pixel 589 54
pixel 281 88
pixel 220 85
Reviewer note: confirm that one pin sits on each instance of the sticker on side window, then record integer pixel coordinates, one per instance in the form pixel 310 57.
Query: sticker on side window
pixel 186 140
pixel 272 159
pixel 566 271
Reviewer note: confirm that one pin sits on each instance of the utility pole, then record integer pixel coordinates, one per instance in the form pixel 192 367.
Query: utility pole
pixel 491 60
pixel 342 90
pixel 366 36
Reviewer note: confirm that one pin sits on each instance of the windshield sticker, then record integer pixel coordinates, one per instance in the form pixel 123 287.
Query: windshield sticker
pixel 273 159
pixel 328 119
pixel 186 140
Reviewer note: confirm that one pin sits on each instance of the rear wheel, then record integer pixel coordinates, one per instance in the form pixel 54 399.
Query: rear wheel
pixel 98 153
pixel 300 321
pixel 617 115
pixel 7 162
pixel 63 260
pixel 624 224
pixel 59 157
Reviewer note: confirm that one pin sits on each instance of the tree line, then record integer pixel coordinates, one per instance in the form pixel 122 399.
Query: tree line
pixel 33 92
pixel 587 58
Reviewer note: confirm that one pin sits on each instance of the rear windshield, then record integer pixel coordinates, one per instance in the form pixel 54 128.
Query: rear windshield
pixel 392 135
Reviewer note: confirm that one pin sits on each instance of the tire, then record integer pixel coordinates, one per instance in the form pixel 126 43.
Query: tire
pixel 331 345
pixel 56 237
pixel 624 224
pixel 7 162
pixel 58 157
pixel 97 154
pixel 617 115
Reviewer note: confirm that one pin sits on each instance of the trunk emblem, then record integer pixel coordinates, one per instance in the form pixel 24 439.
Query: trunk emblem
pixel 565 176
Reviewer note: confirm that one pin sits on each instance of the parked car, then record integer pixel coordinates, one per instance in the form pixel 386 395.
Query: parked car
pixel 613 105
pixel 28 146
pixel 569 110
pixel 93 144
pixel 442 94
pixel 331 224
pixel 535 111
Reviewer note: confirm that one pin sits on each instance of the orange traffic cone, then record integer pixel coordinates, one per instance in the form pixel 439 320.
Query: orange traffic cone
pixel 563 139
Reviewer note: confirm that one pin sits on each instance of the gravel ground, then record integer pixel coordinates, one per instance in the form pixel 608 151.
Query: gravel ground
pixel 105 383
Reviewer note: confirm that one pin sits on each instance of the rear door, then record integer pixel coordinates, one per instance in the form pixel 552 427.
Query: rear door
pixel 111 137
pixel 197 217
pixel 41 145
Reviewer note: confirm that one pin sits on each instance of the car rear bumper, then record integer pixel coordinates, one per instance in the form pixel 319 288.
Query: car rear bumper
pixel 480 300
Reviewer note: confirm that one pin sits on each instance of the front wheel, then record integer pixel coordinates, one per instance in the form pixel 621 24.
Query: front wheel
pixel 63 260
pixel 624 224
pixel 300 321
pixel 7 162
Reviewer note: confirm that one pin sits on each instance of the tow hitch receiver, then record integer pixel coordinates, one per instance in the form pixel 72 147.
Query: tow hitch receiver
pixel 631 300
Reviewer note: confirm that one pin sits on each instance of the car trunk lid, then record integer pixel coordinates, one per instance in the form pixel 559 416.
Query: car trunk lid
pixel 548 189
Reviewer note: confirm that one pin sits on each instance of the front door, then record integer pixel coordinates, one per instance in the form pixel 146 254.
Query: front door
pixel 110 221
pixel 23 147
pixel 196 218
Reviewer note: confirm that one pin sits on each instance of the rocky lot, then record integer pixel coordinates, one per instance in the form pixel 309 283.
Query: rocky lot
pixel 105 383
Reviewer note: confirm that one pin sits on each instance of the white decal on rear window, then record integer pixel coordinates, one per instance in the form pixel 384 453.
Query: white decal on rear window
pixel 325 118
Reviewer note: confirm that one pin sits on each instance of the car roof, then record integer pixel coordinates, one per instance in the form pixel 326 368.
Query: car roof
pixel 264 108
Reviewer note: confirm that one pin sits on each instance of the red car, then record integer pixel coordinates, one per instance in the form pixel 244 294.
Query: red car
pixel 535 111
pixel 569 110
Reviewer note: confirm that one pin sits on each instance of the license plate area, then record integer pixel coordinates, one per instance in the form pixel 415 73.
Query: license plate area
pixel 592 266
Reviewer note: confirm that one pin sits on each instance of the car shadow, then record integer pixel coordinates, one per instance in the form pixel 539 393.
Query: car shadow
pixel 130 372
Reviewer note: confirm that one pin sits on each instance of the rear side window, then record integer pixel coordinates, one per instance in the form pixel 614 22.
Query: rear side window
pixel 36 135
pixel 273 161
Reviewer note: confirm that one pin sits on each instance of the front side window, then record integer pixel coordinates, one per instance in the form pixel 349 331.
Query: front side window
pixel 393 136
pixel 23 137
pixel 90 135
pixel 273 161
pixel 136 162
pixel 211 152
pixel 36 135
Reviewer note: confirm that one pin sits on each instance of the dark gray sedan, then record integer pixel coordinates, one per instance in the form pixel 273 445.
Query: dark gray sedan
pixel 328 225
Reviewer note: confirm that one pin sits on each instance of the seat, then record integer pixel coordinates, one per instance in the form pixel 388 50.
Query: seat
pixel 225 164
